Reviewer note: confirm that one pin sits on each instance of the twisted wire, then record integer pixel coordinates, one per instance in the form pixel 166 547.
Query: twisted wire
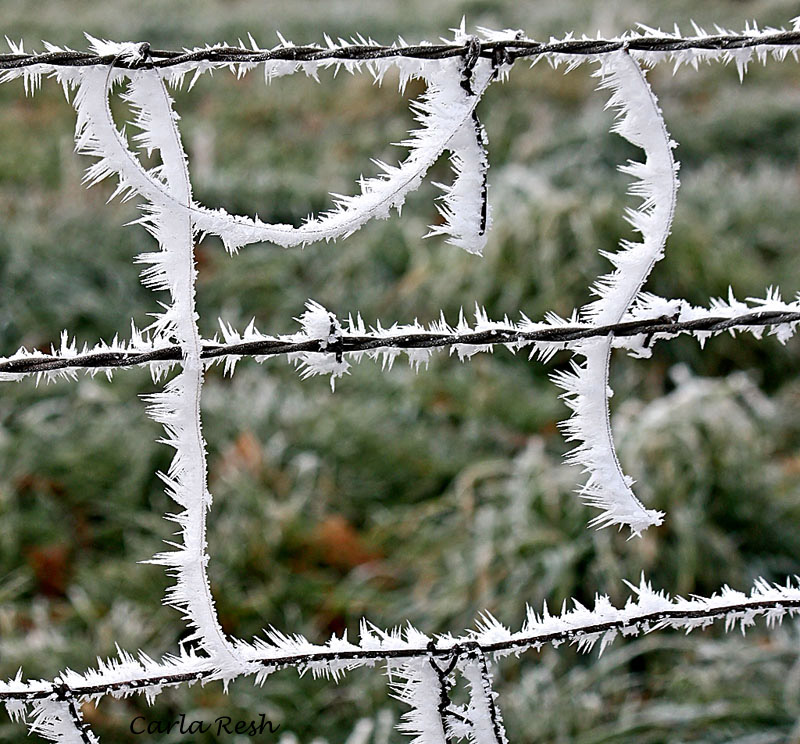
pixel 644 622
pixel 662 326
pixel 504 50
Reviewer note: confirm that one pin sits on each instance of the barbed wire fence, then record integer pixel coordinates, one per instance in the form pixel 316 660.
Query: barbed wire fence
pixel 456 73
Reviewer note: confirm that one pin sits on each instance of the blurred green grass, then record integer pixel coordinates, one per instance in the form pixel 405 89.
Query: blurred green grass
pixel 424 497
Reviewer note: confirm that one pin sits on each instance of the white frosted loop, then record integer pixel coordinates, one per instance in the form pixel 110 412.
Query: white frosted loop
pixel 442 112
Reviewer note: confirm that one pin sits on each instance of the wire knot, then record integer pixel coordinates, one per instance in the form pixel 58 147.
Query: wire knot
pixel 334 341
pixel 471 54
pixel 62 691
pixel 145 56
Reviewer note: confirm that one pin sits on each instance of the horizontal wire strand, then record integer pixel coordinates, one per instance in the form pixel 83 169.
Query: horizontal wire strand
pixel 644 622
pixel 508 50
pixel 346 343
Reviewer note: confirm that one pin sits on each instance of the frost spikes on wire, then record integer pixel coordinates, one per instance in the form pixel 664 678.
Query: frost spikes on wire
pixel 645 611
pixel 639 120
pixel 652 319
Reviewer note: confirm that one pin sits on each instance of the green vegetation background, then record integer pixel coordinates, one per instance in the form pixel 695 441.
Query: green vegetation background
pixel 426 497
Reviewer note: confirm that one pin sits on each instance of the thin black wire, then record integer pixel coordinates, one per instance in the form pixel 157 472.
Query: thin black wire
pixel 643 622
pixel 661 326
pixel 471 55
pixel 444 702
pixel 486 681
pixel 507 50
pixel 64 693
